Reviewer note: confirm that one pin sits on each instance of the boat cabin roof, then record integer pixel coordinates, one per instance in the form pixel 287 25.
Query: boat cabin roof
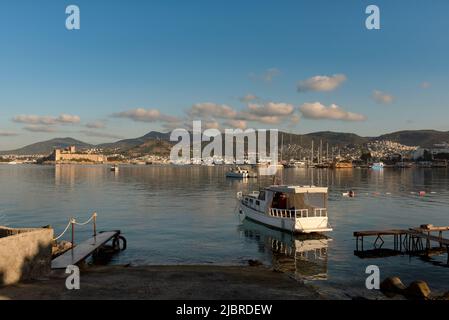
pixel 298 189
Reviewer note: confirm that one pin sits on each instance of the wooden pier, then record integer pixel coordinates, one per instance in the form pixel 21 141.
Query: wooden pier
pixel 83 250
pixel 414 241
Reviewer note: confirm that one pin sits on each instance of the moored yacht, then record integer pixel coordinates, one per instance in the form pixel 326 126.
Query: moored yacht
pixel 298 209
pixel 378 165
pixel 239 173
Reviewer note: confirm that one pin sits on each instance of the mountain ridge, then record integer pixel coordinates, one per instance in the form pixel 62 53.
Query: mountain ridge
pixel 423 138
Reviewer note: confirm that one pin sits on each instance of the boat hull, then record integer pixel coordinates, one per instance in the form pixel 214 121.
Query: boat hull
pixel 309 225
pixel 237 175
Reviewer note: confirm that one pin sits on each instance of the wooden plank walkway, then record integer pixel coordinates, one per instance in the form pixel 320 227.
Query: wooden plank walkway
pixel 410 240
pixel 83 250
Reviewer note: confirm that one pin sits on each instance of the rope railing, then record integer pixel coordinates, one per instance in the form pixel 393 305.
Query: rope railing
pixel 72 223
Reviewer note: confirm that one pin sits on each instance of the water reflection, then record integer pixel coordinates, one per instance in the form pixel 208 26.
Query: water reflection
pixel 183 215
pixel 302 256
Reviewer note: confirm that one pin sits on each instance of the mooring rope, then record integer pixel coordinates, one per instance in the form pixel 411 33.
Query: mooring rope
pixel 85 222
pixel 65 230
pixel 73 221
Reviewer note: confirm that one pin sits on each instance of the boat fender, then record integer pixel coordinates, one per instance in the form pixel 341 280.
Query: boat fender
pixel 116 243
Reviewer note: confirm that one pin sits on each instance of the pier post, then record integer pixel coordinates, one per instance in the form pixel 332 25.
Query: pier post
pixel 73 232
pixel 95 224
pixel 447 252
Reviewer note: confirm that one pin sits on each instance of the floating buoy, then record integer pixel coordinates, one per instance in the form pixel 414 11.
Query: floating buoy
pixel 422 193
pixel 350 194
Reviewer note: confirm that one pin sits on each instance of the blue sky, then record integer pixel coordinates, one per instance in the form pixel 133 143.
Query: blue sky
pixel 136 66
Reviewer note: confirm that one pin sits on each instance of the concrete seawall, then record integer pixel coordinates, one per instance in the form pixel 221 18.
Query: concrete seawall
pixel 24 254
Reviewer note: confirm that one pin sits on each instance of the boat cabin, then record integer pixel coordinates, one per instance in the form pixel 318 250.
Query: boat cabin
pixel 289 201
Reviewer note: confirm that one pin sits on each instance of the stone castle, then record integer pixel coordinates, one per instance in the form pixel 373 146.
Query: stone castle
pixel 70 155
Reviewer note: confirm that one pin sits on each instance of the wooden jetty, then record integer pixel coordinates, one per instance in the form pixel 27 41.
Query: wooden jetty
pixel 83 250
pixel 409 241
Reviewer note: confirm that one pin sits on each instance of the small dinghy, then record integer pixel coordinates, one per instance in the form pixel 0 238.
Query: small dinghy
pixel 239 173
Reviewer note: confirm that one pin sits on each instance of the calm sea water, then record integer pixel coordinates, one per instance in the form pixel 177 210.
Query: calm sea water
pixel 186 215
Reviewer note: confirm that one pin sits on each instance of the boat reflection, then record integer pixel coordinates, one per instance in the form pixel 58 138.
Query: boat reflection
pixel 302 256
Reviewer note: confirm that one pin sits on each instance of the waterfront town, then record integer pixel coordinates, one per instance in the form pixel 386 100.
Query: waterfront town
pixel 319 155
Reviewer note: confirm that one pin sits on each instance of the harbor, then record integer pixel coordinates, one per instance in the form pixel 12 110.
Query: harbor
pixel 202 227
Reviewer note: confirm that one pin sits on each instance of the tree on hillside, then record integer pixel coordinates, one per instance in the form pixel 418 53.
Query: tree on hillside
pixel 427 155
pixel 366 156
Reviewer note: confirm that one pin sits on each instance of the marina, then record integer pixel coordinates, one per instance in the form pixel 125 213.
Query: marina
pixel 201 224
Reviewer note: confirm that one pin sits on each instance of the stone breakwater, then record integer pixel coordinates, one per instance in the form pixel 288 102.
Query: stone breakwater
pixel 24 254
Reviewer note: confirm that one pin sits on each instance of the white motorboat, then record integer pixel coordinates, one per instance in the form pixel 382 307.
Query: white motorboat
pixel 239 173
pixel 298 209
pixel 378 165
pixel 114 168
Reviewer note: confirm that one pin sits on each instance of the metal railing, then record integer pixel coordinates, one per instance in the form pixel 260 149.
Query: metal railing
pixel 300 213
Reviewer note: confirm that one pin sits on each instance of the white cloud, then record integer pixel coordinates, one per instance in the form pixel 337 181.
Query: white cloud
pixel 92 133
pixel 294 119
pixel 267 113
pixel 207 110
pixel 145 115
pixel 47 120
pixel 68 118
pixel 40 128
pixel 8 134
pixel 317 110
pixel 237 124
pixel 270 74
pixel 321 83
pixel 248 98
pixel 215 115
pixel 267 76
pixel 211 125
pixel 382 97
pixel 425 85
pixel 95 125
pixel 271 109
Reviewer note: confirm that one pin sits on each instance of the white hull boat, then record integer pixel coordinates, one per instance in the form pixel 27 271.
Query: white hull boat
pixel 298 209
pixel 239 173
pixel 378 165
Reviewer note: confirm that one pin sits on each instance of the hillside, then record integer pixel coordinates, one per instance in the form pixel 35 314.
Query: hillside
pixel 158 143
pixel 127 144
pixel 46 147
pixel 423 138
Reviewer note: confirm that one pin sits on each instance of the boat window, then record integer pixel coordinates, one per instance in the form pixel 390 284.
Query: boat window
pixel 279 201
pixel 251 200
pixel 262 195
pixel 258 202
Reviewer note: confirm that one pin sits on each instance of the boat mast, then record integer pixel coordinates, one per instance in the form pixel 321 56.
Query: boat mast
pixel 311 160
pixel 321 151
pixel 282 145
